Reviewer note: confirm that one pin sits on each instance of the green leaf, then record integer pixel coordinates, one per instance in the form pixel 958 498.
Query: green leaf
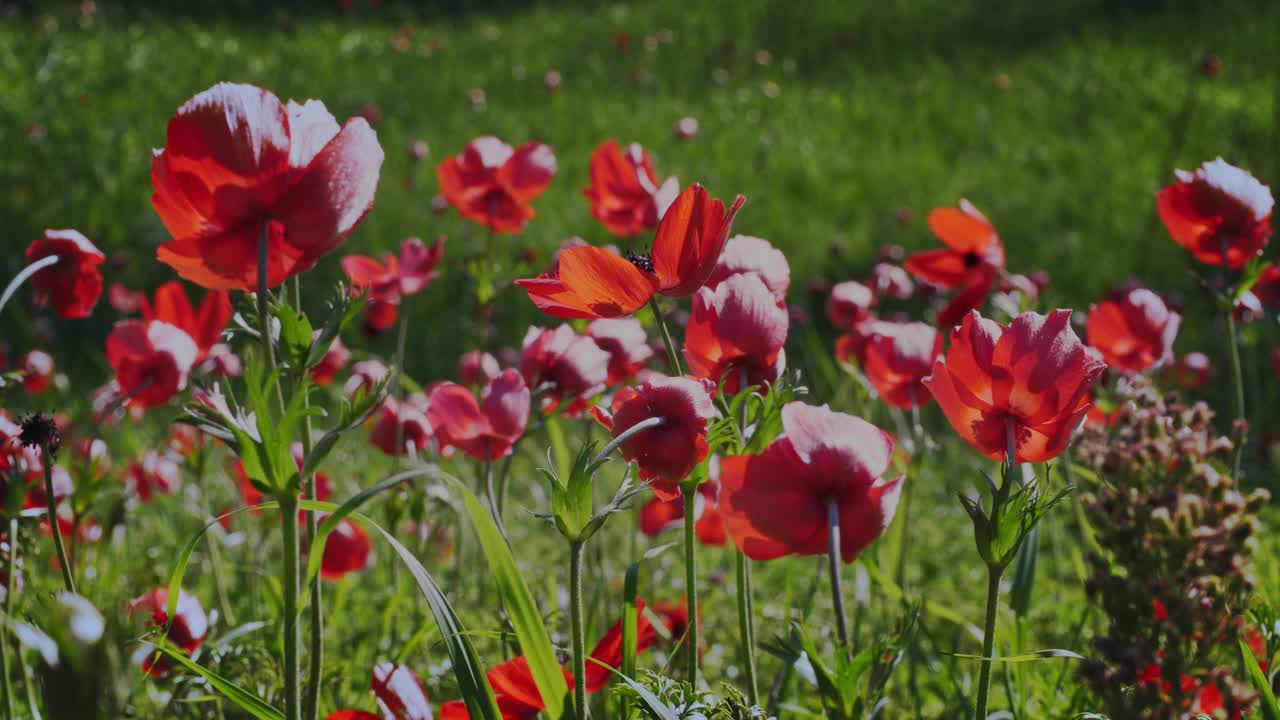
pixel 535 641
pixel 1048 654
pixel 559 446
pixel 184 557
pixel 630 611
pixel 295 338
pixel 245 700
pixel 1267 698
pixel 1024 573
pixel 342 311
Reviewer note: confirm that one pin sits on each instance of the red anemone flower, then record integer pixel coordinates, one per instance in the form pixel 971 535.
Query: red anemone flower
pixel 658 515
pixel 667 453
pixel 379 317
pixel 850 302
pixel 335 358
pixel 485 430
pixel 775 503
pixel 1031 378
pixel 573 365
pixel 1133 330
pixel 592 282
pixel 624 193
pixel 627 344
pixel 205 325
pixel 888 280
pixel 239 166
pixel 346 550
pixel 74 283
pixel 366 375
pixel 399 692
pixel 736 329
pixel 1217 209
pixel 492 184
pixel 898 357
pixel 154 473
pixel 1192 371
pixel 747 254
pixel 395 278
pixel 477 367
pixel 405 420
pixel 972 260
pixel 151 360
pixel 186 629
pixel 37 371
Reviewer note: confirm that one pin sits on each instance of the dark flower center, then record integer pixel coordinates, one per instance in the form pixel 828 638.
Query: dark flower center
pixel 972 260
pixel 644 262
pixel 40 430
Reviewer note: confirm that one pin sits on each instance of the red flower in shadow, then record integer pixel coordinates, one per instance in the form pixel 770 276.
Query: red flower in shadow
pixel 492 184
pixel 74 283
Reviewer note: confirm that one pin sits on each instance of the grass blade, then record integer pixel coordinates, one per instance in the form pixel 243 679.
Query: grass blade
pixel 184 557
pixel 245 700
pixel 1266 698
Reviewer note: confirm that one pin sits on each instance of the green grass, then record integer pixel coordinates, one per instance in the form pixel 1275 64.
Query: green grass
pixel 863 111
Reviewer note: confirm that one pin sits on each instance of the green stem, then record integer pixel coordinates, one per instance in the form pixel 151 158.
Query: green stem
pixel 311 702
pixel 672 357
pixel 691 582
pixel 833 569
pixel 576 628
pixel 746 629
pixel 264 317
pixel 1237 375
pixel 27 272
pixel 52 506
pixel 289 579
pixel 988 641
pixel 9 586
pixel 491 492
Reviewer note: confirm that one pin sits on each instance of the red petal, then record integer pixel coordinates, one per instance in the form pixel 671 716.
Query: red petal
pixel 591 283
pixel 961 231
pixel 400 693
pixel 528 172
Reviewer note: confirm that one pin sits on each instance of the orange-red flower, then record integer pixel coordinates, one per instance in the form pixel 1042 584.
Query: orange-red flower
pixel 1217 209
pixel 151 360
pixel 627 344
pixel 738 327
pixel 485 430
pixel 591 282
pixel 624 192
pixel 204 326
pixel 658 516
pixel 391 280
pixel 972 260
pixel 1031 378
pixel 572 366
pixel 186 629
pixel 493 184
pixel 74 283
pixel 238 164
pixel 898 357
pixel 775 503
pixel 667 453
pixel 1133 330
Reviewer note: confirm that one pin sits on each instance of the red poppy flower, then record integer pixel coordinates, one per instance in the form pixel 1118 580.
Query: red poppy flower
pixel 627 344
pixel 972 260
pixel 395 278
pixel 737 327
pixel 593 282
pixel 124 300
pixel 205 325
pixel 335 358
pixel 485 430
pixel 237 164
pixel 222 361
pixel 37 371
pixel 154 473
pixel 379 317
pixel 573 365
pixel 151 360
pixel 775 503
pixel 1267 287
pixel 658 516
pixel 1217 208
pixel 898 357
pixel 1133 330
pixel 366 375
pixel 477 367
pixel 187 629
pixel 346 550
pixel 849 303
pixel 74 283
pixel 406 420
pixel 624 193
pixel 1033 376
pixel 492 184
pixel 1191 371
pixel 889 280
pixel 667 453
pixel 747 254
pixel 400 693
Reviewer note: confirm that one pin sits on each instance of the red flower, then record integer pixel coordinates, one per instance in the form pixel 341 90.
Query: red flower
pixel 222 362
pixel 1133 330
pixel 891 281
pixel 1217 208
pixel 624 193
pixel 972 260
pixel 492 184
pixel 747 254
pixel 205 325
pixel 1191 371
pixel 477 367
pixel 124 300
pixel 335 358
pixel 155 473
pixel 74 283
pixel 400 693
pixel 238 164
pixel 151 360
pixel 187 630
pixel 393 279
pixel 850 302
pixel 898 357
pixel 1267 287
pixel 774 503
pixel 667 453
pixel 1158 611
pixel 485 430
pixel 346 550
pixel 379 317
pixel 737 327
pixel 658 516
pixel 1033 376
pixel 37 371
pixel 366 375
pixel 627 344
pixel 406 419
pixel 592 282
pixel 573 365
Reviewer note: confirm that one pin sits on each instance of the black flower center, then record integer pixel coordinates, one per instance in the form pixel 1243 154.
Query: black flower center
pixel 644 262
pixel 972 260
pixel 40 430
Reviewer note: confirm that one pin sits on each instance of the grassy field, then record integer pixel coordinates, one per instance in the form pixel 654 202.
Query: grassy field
pixel 842 123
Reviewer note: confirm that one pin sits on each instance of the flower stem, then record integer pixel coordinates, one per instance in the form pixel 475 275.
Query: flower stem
pixel 1237 376
pixel 21 277
pixel 576 628
pixel 672 357
pixel 264 317
pixel 289 578
pixel 491 491
pixel 627 434
pixel 52 506
pixel 746 629
pixel 9 587
pixel 691 582
pixel 988 641
pixel 315 669
pixel 833 569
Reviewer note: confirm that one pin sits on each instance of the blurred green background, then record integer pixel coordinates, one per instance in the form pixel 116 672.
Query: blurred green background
pixel 842 122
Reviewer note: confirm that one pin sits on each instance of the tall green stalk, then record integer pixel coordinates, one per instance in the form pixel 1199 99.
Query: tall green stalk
pixel 1237 374
pixel 833 570
pixel 576 622
pixel 691 582
pixel 311 701
pixel 994 572
pixel 52 507
pixel 10 586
